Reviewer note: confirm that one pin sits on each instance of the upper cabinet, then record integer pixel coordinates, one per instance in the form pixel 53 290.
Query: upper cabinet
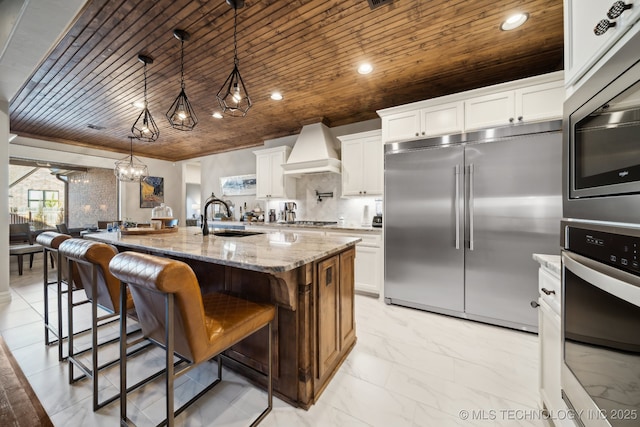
pixel 528 104
pixel 425 122
pixel 362 164
pixel 528 100
pixel 591 28
pixel 270 179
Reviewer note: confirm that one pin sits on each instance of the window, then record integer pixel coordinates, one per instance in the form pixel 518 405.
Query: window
pixel 43 199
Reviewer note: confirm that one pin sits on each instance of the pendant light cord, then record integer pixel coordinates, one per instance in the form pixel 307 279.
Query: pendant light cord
pixel 182 62
pixel 235 39
pixel 145 85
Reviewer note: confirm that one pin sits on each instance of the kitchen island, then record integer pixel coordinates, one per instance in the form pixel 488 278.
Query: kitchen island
pixel 310 280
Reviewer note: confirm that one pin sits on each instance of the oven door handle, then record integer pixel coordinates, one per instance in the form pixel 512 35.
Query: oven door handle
pixel 617 282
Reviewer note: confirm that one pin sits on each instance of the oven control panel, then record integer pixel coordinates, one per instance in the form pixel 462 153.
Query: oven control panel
pixel 617 250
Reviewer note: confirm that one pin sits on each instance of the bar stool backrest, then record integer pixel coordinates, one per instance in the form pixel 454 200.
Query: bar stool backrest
pixel 99 254
pixel 150 278
pixel 53 240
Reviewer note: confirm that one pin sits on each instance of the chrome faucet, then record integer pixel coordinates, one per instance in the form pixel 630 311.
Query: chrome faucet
pixel 211 201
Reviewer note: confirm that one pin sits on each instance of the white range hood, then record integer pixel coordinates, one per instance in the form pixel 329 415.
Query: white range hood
pixel 314 152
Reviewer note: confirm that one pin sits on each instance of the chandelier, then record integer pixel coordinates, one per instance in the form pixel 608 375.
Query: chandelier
pixel 130 169
pixel 181 115
pixel 233 96
pixel 145 128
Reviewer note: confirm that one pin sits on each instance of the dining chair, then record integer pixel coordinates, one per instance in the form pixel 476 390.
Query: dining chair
pixel 21 243
pixel 193 327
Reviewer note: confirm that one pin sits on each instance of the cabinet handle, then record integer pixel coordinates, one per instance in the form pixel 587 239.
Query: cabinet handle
pixel 423 133
pixel 417 134
pixel 364 192
pixel 618 9
pixel 510 119
pixel 548 292
pixel 519 118
pixel 603 26
pixel 534 304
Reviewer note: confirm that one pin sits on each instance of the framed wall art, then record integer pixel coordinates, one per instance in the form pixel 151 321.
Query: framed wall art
pixel 239 185
pixel 151 191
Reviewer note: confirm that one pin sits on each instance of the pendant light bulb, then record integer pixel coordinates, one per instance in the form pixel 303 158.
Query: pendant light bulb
pixel 181 115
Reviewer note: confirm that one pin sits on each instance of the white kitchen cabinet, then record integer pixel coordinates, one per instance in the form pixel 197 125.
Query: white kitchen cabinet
pixel 270 179
pixel 369 261
pixel 496 109
pixel 583 48
pixel 550 341
pixel 362 164
pixel 527 104
pixel 423 123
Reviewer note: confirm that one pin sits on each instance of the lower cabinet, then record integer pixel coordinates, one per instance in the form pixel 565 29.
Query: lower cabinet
pixel 369 262
pixel 334 314
pixel 550 340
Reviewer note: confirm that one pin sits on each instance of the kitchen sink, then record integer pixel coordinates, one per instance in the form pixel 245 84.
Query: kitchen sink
pixel 235 233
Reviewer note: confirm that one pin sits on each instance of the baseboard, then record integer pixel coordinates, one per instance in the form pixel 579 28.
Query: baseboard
pixel 5 297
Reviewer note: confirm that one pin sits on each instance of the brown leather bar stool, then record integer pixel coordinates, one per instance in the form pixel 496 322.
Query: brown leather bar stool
pixel 177 317
pixel 50 241
pixel 92 262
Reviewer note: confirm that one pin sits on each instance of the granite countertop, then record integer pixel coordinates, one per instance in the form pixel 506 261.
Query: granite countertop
pixel 552 262
pixel 269 252
pixel 283 225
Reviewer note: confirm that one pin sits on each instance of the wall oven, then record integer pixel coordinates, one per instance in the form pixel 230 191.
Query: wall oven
pixel 601 323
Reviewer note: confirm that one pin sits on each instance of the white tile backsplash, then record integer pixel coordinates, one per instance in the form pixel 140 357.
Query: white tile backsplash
pixel 331 208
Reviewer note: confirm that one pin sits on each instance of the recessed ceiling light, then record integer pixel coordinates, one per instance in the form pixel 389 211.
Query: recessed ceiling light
pixel 217 115
pixel 365 68
pixel 514 21
pixel 276 96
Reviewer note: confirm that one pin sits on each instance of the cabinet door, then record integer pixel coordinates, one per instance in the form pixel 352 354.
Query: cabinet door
pixel 347 308
pixel 582 47
pixel 327 321
pixel 550 358
pixel 496 109
pixel 372 166
pixel 401 126
pixel 540 102
pixel 276 161
pixel 442 119
pixel 352 168
pixel 368 269
pixel 263 175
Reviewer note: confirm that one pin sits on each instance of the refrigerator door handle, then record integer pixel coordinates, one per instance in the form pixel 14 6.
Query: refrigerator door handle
pixel 457 206
pixel 471 206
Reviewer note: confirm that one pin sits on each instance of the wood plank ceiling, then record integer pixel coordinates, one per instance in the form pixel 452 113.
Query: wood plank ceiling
pixel 306 49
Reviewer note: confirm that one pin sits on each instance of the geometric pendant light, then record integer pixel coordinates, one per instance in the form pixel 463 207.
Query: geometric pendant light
pixel 145 128
pixel 181 115
pixel 233 96
pixel 130 169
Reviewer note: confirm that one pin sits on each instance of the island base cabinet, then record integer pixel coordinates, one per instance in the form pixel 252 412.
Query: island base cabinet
pixel 312 337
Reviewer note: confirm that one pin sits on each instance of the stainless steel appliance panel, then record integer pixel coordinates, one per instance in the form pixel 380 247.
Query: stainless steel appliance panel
pixel 424 255
pixel 514 206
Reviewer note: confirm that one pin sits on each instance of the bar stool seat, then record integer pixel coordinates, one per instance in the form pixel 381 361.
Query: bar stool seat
pixel 176 316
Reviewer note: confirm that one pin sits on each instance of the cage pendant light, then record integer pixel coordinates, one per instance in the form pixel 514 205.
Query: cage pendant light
pixel 145 128
pixel 130 169
pixel 233 96
pixel 181 115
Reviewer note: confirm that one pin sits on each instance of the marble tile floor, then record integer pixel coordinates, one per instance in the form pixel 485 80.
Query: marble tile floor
pixel 408 368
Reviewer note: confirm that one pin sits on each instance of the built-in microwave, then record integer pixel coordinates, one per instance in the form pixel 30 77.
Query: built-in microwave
pixel 602 142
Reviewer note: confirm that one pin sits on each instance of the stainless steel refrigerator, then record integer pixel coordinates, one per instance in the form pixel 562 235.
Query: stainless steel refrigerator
pixel 463 216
